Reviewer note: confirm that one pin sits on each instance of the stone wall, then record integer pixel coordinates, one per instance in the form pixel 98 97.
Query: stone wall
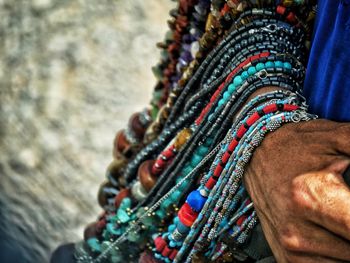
pixel 71 73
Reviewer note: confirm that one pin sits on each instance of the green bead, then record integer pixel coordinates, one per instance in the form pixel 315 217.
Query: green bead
pixel 251 71
pixel 226 95
pixel 94 244
pixel 196 159
pixel 237 81
pixel 231 88
pixel 278 64
pixel 269 64
pixel 202 150
pixel 244 75
pixel 133 236
pixel 260 66
pixel 287 65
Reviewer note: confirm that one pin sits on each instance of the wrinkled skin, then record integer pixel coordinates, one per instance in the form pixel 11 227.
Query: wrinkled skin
pixel 295 181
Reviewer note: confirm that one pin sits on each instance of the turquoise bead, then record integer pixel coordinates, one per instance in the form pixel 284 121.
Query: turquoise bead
pixel 171 228
pixel 94 244
pixel 221 102
pixel 133 236
pixel 287 65
pixel 210 116
pixel 252 71
pixel 188 168
pixel 231 88
pixel 244 75
pixel 226 95
pixel 278 64
pixel 269 64
pixel 172 244
pixel 202 150
pixel 122 216
pixel 160 213
pixel 208 142
pixel 260 66
pixel 175 196
pixel 237 81
pixel 165 204
pixel 183 186
pixel 110 228
pixel 196 159
pixel 176 220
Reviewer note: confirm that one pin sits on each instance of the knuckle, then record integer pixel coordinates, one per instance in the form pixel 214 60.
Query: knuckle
pixel 291 242
pixel 300 196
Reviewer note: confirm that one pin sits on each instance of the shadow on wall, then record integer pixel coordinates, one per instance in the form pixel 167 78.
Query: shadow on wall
pixel 71 73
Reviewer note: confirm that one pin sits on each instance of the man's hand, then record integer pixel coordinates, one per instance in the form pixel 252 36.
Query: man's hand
pixel 301 199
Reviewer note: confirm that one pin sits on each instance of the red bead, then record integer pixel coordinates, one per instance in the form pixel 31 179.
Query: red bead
pixel 225 157
pixel 218 170
pixel 173 254
pixel 289 107
pixel 210 183
pixel 255 117
pixel 186 215
pixel 166 251
pixel 241 220
pixel 232 145
pixel 270 108
pixel 291 18
pixel 159 243
pixel 241 131
pixel 281 10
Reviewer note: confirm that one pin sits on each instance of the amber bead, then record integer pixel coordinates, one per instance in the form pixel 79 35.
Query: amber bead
pixel 115 170
pixel 120 196
pixel 182 137
pixel 90 231
pixel 137 127
pixel 145 176
pixel 121 144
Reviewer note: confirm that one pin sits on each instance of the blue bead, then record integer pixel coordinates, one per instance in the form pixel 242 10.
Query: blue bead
pixel 252 71
pixel 196 200
pixel 237 81
pixel 226 96
pixel 260 66
pixel 182 228
pixel 269 64
pixel 157 256
pixel 231 88
pixel 278 64
pixel 196 159
pixel 287 65
pixel 244 75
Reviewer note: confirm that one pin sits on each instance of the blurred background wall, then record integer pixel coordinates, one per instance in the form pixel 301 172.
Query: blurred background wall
pixel 71 73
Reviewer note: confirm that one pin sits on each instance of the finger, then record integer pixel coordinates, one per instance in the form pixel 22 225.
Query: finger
pixel 341 139
pixel 326 199
pixel 307 258
pixel 314 240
